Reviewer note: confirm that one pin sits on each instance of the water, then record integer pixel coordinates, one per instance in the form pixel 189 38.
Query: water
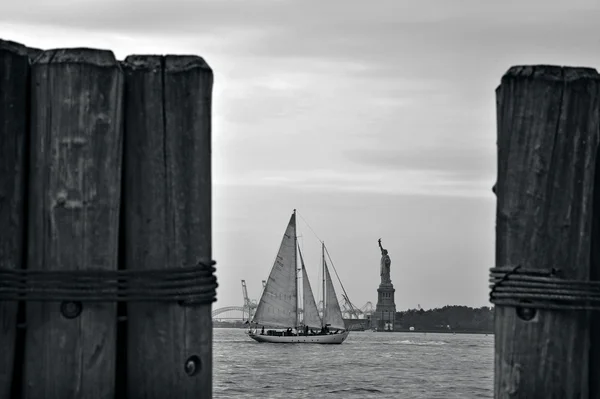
pixel 366 365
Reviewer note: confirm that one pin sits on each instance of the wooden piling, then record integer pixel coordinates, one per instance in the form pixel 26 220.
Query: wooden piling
pixel 167 219
pixel 548 127
pixel 74 197
pixel 14 118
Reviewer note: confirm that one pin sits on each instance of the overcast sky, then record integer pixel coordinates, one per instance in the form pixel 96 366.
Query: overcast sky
pixel 372 118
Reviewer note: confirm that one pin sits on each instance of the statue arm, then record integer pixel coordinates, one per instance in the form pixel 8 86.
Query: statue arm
pixel 380 247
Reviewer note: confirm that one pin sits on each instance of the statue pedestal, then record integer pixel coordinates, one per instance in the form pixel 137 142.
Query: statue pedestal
pixel 384 317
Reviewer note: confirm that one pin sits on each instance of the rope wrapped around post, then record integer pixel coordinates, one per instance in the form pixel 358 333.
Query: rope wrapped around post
pixel 541 289
pixel 188 286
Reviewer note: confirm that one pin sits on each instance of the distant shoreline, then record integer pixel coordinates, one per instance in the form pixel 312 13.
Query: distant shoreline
pixel 440 332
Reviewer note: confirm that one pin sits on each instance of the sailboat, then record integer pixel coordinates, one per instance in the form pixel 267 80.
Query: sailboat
pixel 279 308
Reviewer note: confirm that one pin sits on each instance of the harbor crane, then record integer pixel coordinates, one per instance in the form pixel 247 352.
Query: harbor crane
pixel 249 305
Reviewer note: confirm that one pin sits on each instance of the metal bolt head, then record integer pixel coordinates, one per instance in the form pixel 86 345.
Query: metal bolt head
pixel 192 365
pixel 71 309
pixel 526 314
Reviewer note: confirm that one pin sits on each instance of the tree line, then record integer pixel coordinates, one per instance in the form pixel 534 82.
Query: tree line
pixel 448 318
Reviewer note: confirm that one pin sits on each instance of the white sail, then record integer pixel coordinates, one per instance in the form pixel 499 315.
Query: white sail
pixel 310 312
pixel 333 313
pixel 278 303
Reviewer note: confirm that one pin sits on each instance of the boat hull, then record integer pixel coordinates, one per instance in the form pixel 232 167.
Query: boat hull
pixel 301 339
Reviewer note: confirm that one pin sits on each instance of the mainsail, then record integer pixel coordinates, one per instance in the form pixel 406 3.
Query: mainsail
pixel 333 313
pixel 311 314
pixel 278 303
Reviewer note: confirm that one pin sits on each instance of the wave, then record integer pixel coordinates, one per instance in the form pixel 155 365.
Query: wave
pixel 352 390
pixel 420 343
pixel 230 341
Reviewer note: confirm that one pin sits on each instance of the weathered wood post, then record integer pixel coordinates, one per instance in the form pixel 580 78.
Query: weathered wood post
pixel 548 135
pixel 14 124
pixel 74 197
pixel 167 219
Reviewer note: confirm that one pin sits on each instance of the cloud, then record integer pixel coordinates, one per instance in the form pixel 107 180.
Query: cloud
pixel 387 35
pixel 453 160
pixel 392 85
pixel 396 182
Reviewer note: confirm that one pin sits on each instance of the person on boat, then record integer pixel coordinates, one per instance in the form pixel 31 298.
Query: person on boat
pixel 262 332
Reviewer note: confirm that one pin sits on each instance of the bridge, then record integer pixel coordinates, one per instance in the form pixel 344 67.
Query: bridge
pixel 239 313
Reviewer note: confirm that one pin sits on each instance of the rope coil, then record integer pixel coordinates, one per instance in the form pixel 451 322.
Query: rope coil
pixel 188 286
pixel 541 289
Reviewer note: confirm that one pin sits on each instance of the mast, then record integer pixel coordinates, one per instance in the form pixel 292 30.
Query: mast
pixel 296 267
pixel 323 272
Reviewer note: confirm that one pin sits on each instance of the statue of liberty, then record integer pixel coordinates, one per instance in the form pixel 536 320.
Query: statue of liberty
pixel 385 264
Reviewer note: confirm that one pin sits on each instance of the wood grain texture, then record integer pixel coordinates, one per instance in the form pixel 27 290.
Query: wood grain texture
pixel 548 127
pixel 74 200
pixel 594 366
pixel 167 220
pixel 14 108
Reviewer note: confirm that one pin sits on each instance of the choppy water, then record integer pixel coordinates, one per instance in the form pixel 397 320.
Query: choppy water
pixel 366 365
